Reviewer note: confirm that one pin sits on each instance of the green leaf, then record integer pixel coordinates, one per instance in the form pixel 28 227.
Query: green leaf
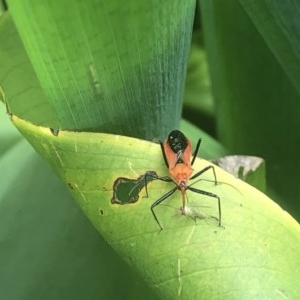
pixel 192 257
pixel 278 23
pixel 23 93
pixel 198 101
pixel 257 103
pixel 110 66
pixel 49 250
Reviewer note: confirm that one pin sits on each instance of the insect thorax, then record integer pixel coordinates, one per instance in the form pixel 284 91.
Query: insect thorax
pixel 177 141
pixel 181 172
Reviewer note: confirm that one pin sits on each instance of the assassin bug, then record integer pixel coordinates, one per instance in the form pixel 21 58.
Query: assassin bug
pixel 177 154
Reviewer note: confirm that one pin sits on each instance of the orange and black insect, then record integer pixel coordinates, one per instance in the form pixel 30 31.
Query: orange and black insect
pixel 177 154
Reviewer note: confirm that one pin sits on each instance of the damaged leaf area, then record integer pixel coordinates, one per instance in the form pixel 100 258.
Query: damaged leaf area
pixel 126 190
pixel 251 169
pixel 253 254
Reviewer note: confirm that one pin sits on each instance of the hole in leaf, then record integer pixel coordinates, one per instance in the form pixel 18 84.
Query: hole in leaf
pixel 126 190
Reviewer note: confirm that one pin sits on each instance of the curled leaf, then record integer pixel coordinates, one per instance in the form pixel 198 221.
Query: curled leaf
pixel 253 255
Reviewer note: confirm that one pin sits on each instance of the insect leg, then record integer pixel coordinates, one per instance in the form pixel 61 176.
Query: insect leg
pixel 196 151
pixel 164 153
pixel 209 195
pixel 203 171
pixel 158 201
pixel 162 178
